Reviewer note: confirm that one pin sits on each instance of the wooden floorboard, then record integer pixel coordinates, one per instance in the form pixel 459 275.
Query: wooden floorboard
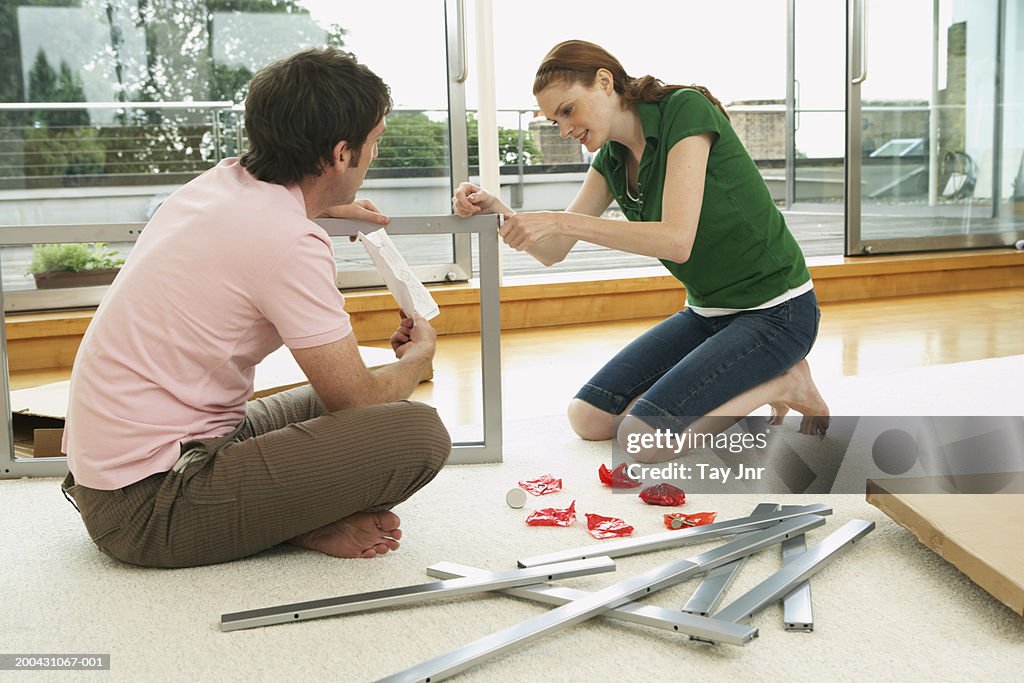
pixel 543 368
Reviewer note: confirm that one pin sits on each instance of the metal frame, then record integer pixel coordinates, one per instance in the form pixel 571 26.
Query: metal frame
pixel 699 627
pixel 486 228
pixel 672 539
pixel 410 595
pixel 485 451
pixel 717 581
pixel 617 594
pixel 798 570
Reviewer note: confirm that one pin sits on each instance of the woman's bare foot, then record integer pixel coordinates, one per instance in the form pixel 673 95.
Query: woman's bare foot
pixel 779 411
pixel 364 534
pixel 802 396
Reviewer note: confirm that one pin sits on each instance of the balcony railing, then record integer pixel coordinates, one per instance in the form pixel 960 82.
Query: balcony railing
pixel 90 144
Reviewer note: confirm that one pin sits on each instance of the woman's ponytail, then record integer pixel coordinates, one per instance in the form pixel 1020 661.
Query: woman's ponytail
pixel 650 89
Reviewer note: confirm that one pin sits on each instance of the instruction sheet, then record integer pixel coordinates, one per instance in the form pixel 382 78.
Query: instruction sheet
pixel 408 291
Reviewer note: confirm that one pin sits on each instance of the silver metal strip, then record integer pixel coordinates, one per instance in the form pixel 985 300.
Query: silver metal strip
pixel 702 628
pixel 717 581
pixel 672 539
pixel 799 569
pixel 409 595
pixel 617 594
pixel 797 613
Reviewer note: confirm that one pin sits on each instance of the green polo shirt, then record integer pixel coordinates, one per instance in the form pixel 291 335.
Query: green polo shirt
pixel 743 253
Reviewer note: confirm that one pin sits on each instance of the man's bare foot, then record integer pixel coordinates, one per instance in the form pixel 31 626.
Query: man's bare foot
pixel 802 396
pixel 364 534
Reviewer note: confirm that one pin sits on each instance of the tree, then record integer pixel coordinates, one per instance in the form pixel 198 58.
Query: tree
pixel 12 86
pixel 59 142
pixel 508 145
pixel 413 141
pixel 228 83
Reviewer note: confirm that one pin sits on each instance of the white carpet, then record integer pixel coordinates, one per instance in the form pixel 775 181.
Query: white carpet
pixel 889 608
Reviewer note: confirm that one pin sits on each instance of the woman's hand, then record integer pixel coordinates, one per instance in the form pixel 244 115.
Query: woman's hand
pixel 523 231
pixel 361 209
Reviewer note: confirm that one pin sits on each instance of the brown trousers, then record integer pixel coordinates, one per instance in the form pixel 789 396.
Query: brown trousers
pixel 288 468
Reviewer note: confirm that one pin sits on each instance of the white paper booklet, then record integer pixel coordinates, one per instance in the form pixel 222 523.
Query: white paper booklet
pixel 408 291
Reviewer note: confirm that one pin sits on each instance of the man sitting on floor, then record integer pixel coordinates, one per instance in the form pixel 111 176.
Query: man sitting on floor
pixel 171 466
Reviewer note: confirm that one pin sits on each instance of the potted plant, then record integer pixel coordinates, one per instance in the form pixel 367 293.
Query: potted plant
pixel 73 265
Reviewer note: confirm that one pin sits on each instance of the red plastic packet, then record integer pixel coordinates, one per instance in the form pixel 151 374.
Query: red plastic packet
pixel 663 494
pixel 607 527
pixel 678 520
pixel 553 516
pixel 542 485
pixel 617 478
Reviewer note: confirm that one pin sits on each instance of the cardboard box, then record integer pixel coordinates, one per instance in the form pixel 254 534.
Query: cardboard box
pixel 37 413
pixel 978 533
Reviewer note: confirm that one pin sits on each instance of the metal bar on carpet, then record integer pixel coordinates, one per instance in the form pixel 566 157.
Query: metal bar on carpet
pixel 671 539
pixel 702 628
pixel 798 570
pixel 408 595
pixel 797 613
pixel 617 594
pixel 715 583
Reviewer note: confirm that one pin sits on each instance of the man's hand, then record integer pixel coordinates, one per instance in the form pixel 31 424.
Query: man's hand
pixel 361 209
pixel 415 339
pixel 470 200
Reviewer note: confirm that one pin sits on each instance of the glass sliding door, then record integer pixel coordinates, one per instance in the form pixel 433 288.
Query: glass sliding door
pixel 935 152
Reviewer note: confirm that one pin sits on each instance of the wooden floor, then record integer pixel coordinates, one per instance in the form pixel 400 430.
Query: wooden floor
pixel 542 368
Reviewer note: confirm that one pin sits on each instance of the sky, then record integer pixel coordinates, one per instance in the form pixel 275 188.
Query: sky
pixel 734 47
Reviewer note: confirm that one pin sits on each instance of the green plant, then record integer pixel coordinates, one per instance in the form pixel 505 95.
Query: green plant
pixel 75 257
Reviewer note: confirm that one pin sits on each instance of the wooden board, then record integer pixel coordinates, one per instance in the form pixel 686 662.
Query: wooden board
pixel 977 533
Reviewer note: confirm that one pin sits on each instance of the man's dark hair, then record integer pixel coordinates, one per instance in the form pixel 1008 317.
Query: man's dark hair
pixel 299 108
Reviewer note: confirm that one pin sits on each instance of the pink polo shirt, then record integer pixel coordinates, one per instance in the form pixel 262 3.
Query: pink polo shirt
pixel 227 270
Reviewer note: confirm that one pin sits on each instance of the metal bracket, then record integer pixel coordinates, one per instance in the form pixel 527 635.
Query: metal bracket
pixel 797 612
pixel 717 581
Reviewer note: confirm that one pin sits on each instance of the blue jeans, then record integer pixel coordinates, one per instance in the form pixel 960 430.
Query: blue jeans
pixel 688 365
